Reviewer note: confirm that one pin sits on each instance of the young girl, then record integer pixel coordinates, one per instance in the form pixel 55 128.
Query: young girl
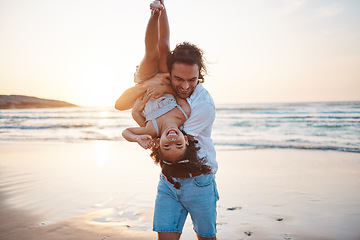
pixel 161 118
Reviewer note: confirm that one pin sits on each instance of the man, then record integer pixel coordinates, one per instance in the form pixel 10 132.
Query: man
pixel 198 194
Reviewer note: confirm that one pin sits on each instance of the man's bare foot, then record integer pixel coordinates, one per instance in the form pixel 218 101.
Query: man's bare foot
pixel 156 6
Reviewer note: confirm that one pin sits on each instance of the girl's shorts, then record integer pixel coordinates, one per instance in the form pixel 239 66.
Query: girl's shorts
pixel 140 77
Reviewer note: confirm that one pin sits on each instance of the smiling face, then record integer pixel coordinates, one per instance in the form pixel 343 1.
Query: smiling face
pixel 172 144
pixel 184 78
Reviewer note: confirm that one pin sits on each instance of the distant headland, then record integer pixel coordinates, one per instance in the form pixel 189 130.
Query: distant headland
pixel 21 101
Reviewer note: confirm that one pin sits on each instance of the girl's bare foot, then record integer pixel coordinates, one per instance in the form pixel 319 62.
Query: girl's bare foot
pixel 156 6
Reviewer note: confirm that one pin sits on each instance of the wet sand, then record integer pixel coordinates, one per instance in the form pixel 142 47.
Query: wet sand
pixel 106 190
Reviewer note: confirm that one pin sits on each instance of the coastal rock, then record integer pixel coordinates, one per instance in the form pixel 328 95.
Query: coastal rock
pixel 20 102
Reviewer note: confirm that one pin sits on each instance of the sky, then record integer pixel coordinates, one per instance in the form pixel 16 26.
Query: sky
pixel 258 51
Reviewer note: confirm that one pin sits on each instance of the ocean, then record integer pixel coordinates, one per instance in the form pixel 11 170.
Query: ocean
pixel 323 125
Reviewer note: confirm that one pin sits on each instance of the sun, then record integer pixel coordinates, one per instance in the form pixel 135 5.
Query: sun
pixel 99 86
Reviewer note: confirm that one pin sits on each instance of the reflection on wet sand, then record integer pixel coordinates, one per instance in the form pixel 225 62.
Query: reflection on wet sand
pixel 103 190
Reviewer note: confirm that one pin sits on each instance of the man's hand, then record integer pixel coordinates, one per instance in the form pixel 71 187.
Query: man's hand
pixel 137 109
pixel 158 85
pixel 140 103
pixel 145 141
pixel 158 79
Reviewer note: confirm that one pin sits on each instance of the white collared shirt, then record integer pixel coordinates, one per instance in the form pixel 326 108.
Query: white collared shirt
pixel 200 123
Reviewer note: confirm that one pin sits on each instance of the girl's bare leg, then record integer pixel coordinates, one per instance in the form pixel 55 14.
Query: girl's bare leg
pixel 150 62
pixel 164 39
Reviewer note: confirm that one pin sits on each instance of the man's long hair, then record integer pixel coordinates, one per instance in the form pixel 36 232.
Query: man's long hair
pixel 190 54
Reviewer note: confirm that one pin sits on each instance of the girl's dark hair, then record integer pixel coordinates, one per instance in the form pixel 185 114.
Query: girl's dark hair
pixel 194 164
pixel 190 54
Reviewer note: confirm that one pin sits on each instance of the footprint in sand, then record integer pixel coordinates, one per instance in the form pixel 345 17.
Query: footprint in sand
pixel 248 233
pixel 233 208
pixel 286 237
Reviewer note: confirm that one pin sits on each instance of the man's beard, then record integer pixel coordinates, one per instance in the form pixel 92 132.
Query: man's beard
pixel 179 94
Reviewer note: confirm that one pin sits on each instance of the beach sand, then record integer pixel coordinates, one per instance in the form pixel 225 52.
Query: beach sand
pixel 106 190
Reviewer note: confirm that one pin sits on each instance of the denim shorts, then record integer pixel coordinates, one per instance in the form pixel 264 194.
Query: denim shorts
pixel 197 196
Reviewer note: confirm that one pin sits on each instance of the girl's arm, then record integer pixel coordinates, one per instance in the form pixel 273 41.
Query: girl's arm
pixel 139 135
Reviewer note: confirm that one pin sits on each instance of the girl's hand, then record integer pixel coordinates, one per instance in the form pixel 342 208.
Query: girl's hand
pixel 145 141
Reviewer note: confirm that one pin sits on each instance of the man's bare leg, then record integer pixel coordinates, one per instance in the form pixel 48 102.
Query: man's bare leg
pixel 203 238
pixel 169 236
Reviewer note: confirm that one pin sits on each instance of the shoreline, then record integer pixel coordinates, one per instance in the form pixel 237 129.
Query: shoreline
pixel 106 190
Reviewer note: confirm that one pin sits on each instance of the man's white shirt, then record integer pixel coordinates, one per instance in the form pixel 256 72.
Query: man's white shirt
pixel 200 123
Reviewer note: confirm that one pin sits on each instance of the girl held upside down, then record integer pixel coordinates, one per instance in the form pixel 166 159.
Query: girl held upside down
pixel 160 118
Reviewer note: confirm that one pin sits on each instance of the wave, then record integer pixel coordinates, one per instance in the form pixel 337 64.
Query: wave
pixel 226 146
pixel 318 126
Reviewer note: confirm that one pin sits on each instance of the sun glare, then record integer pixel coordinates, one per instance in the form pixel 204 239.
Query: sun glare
pixel 102 149
pixel 98 84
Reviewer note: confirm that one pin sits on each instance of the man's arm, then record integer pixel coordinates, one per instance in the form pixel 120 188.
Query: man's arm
pixel 138 108
pixel 201 116
pixel 139 118
pixel 128 98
